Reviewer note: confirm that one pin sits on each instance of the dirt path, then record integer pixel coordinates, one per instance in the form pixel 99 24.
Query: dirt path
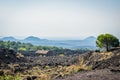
pixel 103 74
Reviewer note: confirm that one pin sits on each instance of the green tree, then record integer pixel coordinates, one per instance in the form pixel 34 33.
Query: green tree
pixel 7 44
pixel 107 41
pixel 2 44
pixel 14 45
pixel 28 46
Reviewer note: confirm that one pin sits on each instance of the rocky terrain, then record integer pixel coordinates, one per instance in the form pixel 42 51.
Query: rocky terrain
pixel 105 66
pixel 87 66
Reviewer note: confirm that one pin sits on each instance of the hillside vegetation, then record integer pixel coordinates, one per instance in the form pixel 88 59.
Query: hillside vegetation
pixel 18 46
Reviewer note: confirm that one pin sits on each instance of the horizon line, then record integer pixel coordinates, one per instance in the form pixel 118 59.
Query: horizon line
pixel 50 38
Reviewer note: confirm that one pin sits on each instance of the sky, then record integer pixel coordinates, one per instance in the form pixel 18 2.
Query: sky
pixel 73 19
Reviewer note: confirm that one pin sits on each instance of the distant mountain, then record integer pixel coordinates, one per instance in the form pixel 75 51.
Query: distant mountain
pixel 32 38
pixel 91 38
pixel 8 39
pixel 88 42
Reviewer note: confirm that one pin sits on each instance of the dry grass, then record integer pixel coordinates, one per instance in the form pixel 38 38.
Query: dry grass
pixel 101 56
pixel 50 72
pixel 19 55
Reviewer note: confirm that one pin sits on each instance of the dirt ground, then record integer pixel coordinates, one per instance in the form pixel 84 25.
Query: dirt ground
pixel 103 74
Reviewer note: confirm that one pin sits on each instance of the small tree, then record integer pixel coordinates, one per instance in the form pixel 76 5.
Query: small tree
pixel 107 41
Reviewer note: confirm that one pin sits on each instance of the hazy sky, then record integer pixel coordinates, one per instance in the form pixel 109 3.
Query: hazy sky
pixel 59 18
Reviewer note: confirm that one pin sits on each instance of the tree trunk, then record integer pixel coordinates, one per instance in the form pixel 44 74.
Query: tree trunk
pixel 107 47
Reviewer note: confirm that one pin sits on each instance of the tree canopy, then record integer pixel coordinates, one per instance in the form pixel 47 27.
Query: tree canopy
pixel 107 41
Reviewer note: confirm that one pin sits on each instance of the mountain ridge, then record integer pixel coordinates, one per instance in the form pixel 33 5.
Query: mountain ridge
pixel 9 38
pixel 88 42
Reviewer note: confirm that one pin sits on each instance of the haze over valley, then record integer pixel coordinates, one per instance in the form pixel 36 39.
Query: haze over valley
pixel 88 42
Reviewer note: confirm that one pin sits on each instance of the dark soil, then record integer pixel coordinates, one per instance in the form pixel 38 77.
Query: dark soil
pixel 108 69
pixel 103 74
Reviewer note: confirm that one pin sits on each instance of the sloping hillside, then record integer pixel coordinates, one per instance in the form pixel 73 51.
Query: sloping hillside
pixel 105 66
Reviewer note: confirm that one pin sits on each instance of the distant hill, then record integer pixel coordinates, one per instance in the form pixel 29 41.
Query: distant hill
pixel 8 39
pixel 91 38
pixel 88 42
pixel 32 38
